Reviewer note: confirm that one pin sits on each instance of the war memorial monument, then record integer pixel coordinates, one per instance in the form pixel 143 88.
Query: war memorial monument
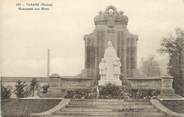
pixel 110 58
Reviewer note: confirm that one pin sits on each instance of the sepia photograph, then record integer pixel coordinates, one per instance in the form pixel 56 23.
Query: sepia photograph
pixel 92 58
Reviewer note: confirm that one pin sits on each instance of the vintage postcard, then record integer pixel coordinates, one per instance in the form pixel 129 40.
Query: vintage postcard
pixel 92 58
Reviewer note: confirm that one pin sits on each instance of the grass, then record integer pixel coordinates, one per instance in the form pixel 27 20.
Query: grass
pixel 23 107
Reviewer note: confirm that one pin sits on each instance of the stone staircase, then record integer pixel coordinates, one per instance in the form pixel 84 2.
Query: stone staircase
pixel 108 108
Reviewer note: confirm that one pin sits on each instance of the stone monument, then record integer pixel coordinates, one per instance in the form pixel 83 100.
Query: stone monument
pixel 110 25
pixel 110 67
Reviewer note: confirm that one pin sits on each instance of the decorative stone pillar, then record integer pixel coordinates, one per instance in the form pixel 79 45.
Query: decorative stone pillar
pixel 166 87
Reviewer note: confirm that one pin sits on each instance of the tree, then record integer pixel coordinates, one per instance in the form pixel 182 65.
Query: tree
pixel 173 45
pixel 150 67
pixel 45 88
pixel 20 89
pixel 34 85
pixel 5 92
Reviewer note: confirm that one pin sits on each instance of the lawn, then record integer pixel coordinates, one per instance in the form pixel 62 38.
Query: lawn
pixel 22 107
pixel 174 105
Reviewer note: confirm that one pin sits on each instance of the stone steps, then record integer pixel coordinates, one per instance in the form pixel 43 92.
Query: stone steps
pixel 108 108
pixel 110 114
pixel 111 109
pixel 109 100
pixel 103 103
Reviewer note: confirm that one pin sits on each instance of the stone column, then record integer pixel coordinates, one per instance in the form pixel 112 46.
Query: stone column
pixel 135 55
pixel 88 54
pixel 96 58
pixel 124 55
pixel 119 44
pixel 129 56
pixel 167 87
pixel 85 50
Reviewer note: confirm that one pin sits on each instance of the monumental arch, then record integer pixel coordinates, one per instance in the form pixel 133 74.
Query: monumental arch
pixel 110 25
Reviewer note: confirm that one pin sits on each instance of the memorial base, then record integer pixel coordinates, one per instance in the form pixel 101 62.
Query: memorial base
pixel 168 93
pixel 105 82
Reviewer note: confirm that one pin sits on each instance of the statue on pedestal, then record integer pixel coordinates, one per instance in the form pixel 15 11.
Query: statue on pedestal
pixel 110 67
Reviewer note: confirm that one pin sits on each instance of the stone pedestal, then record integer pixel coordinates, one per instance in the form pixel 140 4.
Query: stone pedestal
pixel 167 90
pixel 105 81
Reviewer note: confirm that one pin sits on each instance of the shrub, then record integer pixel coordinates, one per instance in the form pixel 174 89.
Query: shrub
pixel 5 92
pixel 109 91
pixel 20 89
pixel 45 88
pixel 145 94
pixel 112 91
pixel 80 94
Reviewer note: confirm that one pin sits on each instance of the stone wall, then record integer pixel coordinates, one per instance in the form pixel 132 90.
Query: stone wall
pixel 146 83
pixel 71 83
pixel 76 83
pixel 59 85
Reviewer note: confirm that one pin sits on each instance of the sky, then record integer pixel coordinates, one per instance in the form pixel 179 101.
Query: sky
pixel 26 35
